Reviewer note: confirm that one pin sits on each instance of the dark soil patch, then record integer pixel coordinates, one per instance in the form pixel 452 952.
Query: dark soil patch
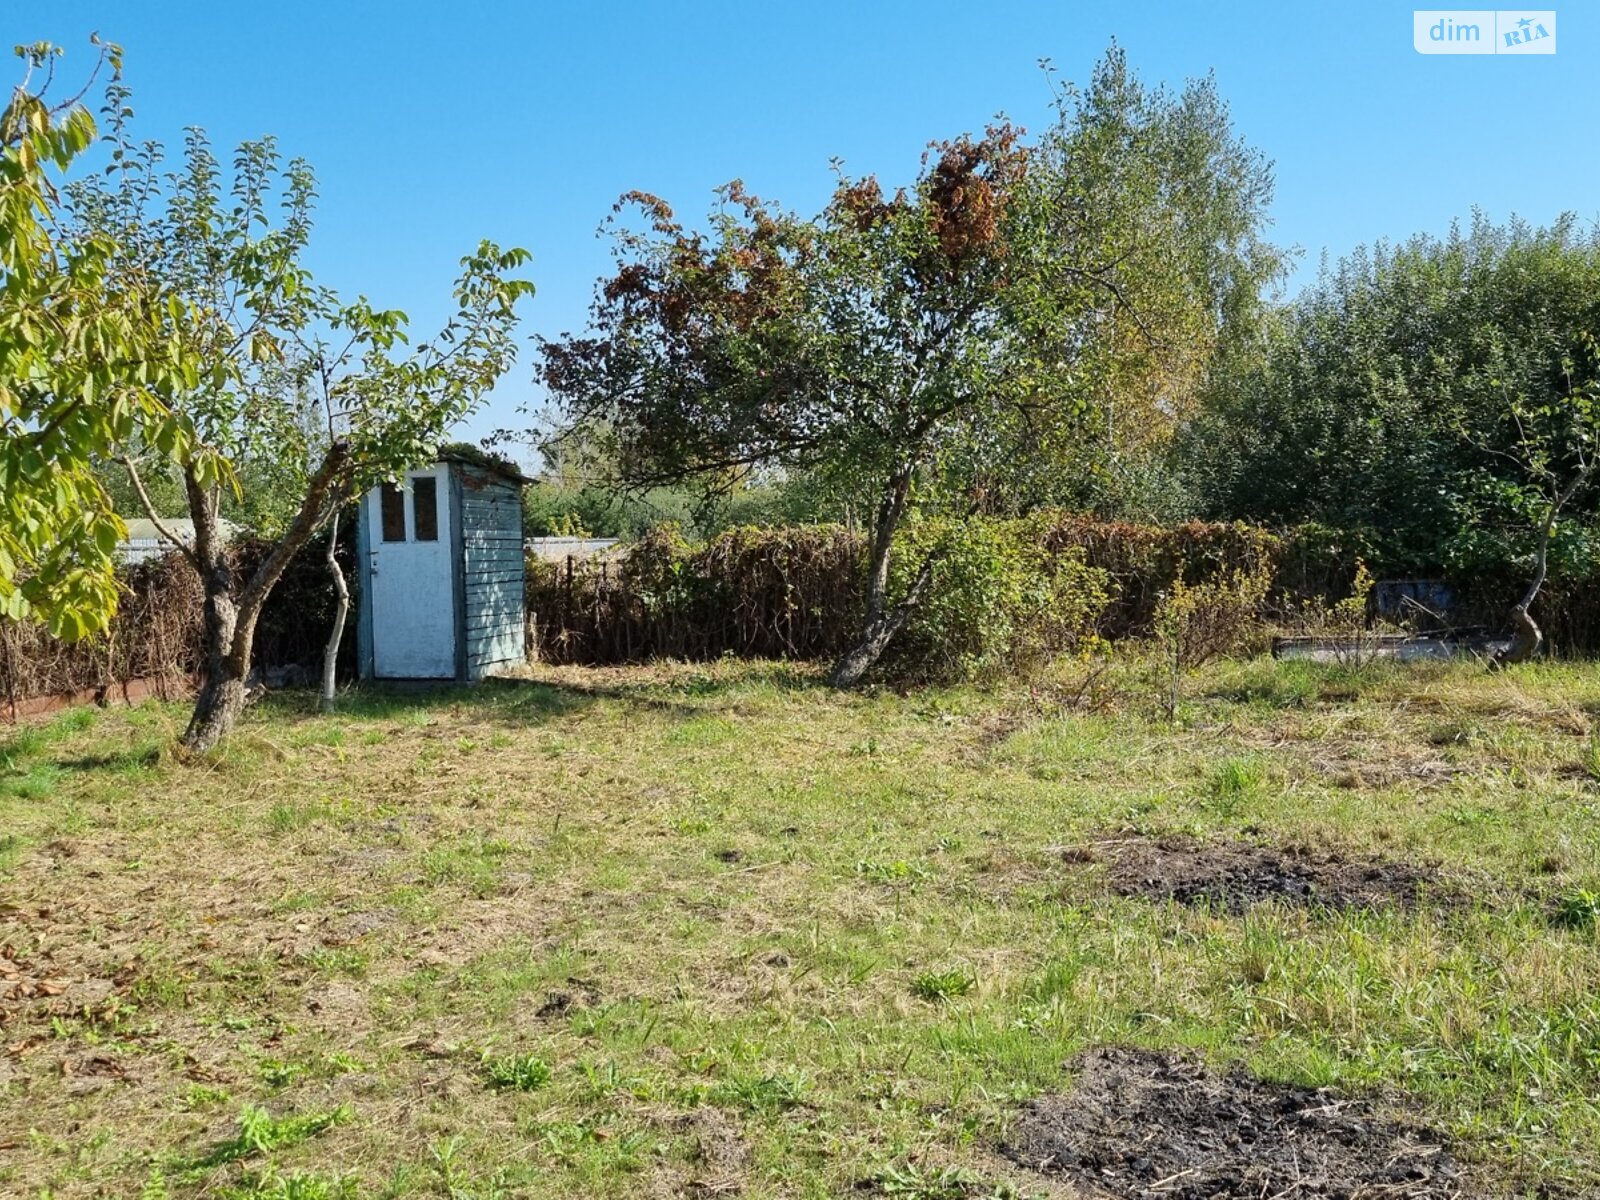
pixel 582 994
pixel 1233 875
pixel 1145 1125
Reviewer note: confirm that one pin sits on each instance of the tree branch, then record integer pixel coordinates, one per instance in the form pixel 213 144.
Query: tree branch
pixel 150 511
pixel 322 496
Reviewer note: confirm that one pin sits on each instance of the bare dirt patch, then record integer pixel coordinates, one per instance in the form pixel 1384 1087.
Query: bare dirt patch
pixel 1138 1124
pixel 720 1151
pixel 1233 875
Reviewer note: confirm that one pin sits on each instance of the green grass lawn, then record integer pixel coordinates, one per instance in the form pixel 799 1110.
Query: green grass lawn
pixel 716 931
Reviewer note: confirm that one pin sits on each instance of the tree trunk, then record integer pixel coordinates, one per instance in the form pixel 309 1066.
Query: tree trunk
pixel 216 711
pixel 230 615
pixel 222 694
pixel 855 662
pixel 882 622
pixel 330 656
pixel 1526 637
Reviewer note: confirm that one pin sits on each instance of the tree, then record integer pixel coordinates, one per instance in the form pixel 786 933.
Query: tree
pixel 86 364
pixel 937 347
pixel 291 384
pixel 1554 446
pixel 1382 398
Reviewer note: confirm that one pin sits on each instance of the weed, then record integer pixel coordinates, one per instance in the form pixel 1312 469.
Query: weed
pixel 1590 760
pixel 338 960
pixel 37 782
pixel 287 816
pixel 262 1133
pixel 454 1182
pixel 19 747
pixel 893 872
pixel 1578 908
pixel 295 1185
pixel 939 986
pixel 912 1181
pixel 517 1072
pixel 1232 784
pixel 277 1074
pixel 761 1094
pixel 74 720
pixel 1470 816
pixel 473 862
pixel 204 1095
pixel 591 1148
pixel 601 1081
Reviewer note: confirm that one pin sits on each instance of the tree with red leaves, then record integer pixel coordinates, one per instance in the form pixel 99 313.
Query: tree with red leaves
pixel 924 346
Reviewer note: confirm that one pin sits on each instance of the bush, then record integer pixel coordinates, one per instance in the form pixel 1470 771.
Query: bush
pixel 1351 636
pixel 1196 623
pixel 999 599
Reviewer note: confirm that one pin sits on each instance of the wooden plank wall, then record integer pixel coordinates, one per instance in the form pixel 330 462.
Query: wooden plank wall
pixel 493 570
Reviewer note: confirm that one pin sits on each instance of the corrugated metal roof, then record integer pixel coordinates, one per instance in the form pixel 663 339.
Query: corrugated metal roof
pixel 558 548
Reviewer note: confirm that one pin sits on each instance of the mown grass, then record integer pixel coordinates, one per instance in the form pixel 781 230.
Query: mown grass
pixel 516 941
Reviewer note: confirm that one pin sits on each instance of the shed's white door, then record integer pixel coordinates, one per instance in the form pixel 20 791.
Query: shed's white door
pixel 413 599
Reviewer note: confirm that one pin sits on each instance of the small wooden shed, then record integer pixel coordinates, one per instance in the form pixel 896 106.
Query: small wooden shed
pixel 442 573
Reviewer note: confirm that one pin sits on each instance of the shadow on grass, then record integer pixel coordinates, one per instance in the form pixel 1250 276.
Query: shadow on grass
pixel 663 683
pixel 512 702
pixel 135 758
pixel 521 702
pixel 685 693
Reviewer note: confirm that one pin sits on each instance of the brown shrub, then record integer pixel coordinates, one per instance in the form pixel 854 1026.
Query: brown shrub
pixel 156 635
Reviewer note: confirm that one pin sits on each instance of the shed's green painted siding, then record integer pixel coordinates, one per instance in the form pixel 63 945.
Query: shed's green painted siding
pixel 492 570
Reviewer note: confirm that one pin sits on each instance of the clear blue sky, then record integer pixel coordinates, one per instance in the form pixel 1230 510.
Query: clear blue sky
pixel 433 125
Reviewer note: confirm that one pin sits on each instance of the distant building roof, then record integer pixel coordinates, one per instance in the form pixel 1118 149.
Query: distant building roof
pixel 144 529
pixel 145 541
pixel 557 548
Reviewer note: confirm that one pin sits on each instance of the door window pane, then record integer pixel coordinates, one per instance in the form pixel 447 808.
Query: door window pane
pixel 425 509
pixel 393 503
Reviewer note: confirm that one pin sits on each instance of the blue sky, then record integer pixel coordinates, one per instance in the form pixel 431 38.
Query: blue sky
pixel 433 125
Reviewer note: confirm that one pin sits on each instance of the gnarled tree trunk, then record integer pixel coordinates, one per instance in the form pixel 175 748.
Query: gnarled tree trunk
pixel 231 612
pixel 882 621
pixel 1526 638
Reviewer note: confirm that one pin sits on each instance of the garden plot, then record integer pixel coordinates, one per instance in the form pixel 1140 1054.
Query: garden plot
pixel 1138 1125
pixel 1232 875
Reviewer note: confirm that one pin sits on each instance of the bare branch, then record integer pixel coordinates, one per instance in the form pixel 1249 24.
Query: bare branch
pixel 150 511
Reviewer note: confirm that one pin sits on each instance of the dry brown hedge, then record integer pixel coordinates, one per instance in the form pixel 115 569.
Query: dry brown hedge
pixel 778 593
pixel 156 634
pixel 796 592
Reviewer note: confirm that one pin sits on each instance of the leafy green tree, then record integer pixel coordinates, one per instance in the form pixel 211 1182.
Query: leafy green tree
pixel 939 346
pixel 323 398
pixel 1385 399
pixel 86 364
